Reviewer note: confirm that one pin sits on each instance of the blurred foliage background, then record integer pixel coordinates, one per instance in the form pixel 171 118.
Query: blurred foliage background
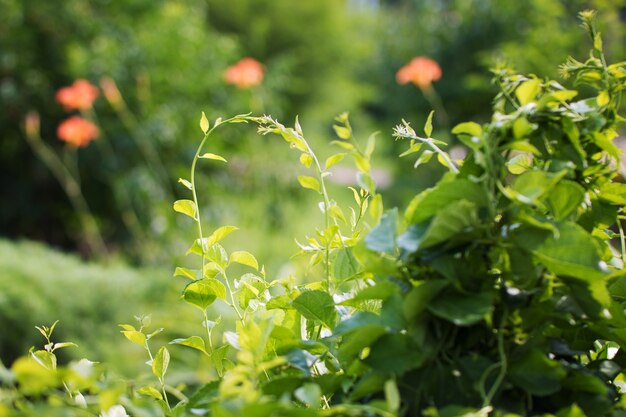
pixel 320 57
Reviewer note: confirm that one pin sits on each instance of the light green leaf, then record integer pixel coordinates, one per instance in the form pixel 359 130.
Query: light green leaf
pixel 519 164
pixel 522 128
pixel 185 272
pixel 135 336
pixel 187 207
pixel 392 395
pixel 428 126
pixel 423 158
pixel 603 98
pixel 415 147
pixel 306 159
pixel 160 362
pixel 316 305
pixel 468 128
pixel 63 345
pixel 342 132
pixel 150 392
pixel 310 394
pixel 219 234
pixel 532 185
pixel 202 293
pixel 194 342
pixel 334 159
pixel 44 358
pixel 528 90
pixel 204 124
pixel 309 182
pixel 213 157
pixel 186 183
pixel 244 258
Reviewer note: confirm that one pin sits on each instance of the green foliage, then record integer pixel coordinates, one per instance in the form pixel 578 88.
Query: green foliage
pixel 499 292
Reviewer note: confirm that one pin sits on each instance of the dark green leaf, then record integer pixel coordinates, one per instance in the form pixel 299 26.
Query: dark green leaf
pixel 462 309
pixel 383 237
pixel 535 373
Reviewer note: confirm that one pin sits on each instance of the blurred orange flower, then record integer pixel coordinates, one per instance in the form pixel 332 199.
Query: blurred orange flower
pixel 245 74
pixel 77 131
pixel 78 96
pixel 421 71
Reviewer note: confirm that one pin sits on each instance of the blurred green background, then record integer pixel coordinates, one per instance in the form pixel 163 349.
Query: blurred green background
pixel 168 58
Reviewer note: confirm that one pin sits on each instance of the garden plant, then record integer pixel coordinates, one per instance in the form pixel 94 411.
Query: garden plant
pixel 499 291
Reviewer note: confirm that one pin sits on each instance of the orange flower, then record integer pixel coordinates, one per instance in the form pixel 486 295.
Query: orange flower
pixel 421 71
pixel 245 74
pixel 78 96
pixel 77 131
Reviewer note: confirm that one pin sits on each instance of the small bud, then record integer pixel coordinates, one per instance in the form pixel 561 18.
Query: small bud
pixel 111 92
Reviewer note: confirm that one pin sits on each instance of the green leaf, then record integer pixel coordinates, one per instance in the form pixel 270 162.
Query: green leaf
pixel 334 159
pixel 194 342
pixel 150 392
pixel 420 297
pixel 532 185
pixel 572 253
pixel 185 272
pixel 219 234
pixel 462 309
pixel 342 132
pixel 528 90
pixel 519 164
pixel 306 159
pixel 564 198
pixel 429 202
pixel 345 265
pixel 380 291
pixel 309 182
pixel 614 193
pixel 392 394
pixel 204 124
pixel 522 128
pixel 244 258
pixel 160 362
pixel 536 374
pixel 213 157
pixel 449 222
pixel 428 126
pixel 310 394
pixel 394 353
pixel 44 358
pixel 186 183
pixel 468 128
pixel 383 237
pixel 603 98
pixel 316 305
pixel 187 207
pixel 203 292
pixel 135 336
pixel 423 158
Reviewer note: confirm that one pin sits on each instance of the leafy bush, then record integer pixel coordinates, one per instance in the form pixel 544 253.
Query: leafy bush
pixel 39 286
pixel 498 292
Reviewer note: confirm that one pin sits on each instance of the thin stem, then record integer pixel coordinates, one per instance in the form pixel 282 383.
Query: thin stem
pixel 503 363
pixel 622 239
pixel 73 191
pixel 320 173
pixel 232 297
pixel 435 101
pixel 208 331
